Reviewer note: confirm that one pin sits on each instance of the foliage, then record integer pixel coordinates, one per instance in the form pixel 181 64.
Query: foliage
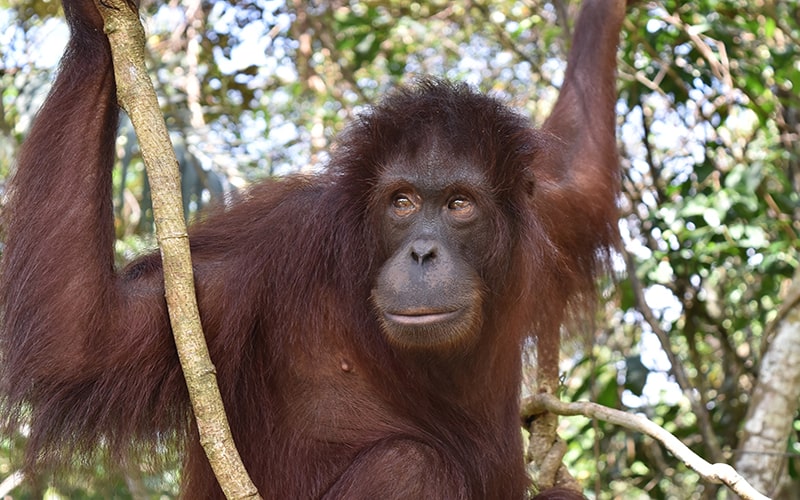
pixel 710 212
pixel 708 127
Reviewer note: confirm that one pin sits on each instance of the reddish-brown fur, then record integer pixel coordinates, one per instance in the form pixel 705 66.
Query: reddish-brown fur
pixel 320 404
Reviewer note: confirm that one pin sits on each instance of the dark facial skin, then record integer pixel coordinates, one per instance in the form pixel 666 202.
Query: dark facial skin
pixel 436 231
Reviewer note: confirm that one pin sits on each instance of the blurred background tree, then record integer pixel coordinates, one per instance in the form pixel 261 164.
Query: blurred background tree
pixel 701 326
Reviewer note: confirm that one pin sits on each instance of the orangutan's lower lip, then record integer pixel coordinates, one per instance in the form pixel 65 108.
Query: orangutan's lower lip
pixel 421 318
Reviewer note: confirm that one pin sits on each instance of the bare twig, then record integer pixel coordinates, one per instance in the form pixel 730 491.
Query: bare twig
pixel 698 406
pixel 10 482
pixel 718 473
pixel 720 65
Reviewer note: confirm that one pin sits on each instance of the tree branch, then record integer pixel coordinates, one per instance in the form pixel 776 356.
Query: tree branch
pixel 718 473
pixel 137 96
pixel 698 406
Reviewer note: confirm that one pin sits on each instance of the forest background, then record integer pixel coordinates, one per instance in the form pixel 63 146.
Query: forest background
pixel 700 326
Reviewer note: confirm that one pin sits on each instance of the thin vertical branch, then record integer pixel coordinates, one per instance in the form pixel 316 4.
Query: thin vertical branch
pixel 137 96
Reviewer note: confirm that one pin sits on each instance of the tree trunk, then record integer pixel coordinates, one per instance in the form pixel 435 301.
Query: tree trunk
pixel 762 456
